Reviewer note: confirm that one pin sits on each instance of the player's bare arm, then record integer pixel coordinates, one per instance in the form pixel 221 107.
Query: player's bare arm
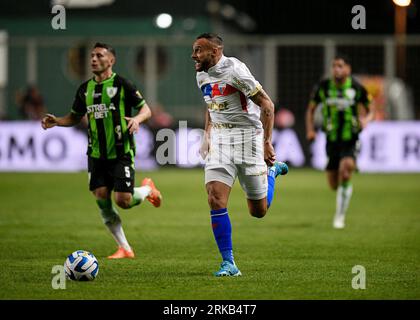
pixel 68 120
pixel 204 149
pixel 267 119
pixel 133 123
pixel 310 122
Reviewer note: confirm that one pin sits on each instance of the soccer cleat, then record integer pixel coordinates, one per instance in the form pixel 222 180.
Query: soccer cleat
pixel 339 221
pixel 279 168
pixel 155 196
pixel 122 253
pixel 228 269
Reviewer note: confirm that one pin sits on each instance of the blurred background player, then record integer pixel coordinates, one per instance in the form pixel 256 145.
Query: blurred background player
pixel 31 104
pixel 239 119
pixel 345 110
pixel 108 100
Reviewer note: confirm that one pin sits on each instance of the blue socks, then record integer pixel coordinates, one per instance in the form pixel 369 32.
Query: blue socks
pixel 271 177
pixel 222 231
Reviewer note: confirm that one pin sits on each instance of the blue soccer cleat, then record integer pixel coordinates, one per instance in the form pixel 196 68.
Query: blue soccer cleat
pixel 279 168
pixel 228 269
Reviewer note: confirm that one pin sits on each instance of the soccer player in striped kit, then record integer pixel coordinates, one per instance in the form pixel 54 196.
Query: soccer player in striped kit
pixel 345 110
pixel 237 143
pixel 108 100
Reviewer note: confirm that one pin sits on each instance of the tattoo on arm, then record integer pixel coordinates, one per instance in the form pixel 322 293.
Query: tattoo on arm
pixel 267 115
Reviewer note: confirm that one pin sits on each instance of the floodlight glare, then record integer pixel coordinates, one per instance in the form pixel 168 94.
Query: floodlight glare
pixel 164 20
pixel 402 3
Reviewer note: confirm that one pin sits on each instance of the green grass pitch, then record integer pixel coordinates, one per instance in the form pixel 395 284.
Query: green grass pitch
pixel 292 253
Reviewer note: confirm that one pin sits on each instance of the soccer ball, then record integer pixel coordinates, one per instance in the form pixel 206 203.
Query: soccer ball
pixel 81 265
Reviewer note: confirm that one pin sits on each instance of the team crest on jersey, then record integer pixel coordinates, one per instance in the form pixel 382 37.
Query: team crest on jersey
pixel 111 91
pixel 222 87
pixel 350 93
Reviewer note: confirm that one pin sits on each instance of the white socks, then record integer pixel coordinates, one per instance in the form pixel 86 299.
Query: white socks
pixel 118 234
pixel 344 193
pixel 113 222
pixel 141 193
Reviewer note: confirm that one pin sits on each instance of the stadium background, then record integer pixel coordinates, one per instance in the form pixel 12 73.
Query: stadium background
pixel 288 52
pixel 288 46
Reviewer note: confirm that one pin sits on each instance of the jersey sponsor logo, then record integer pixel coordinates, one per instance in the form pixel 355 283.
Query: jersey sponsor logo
pixel 111 91
pixel 99 111
pixel 214 106
pixel 128 183
pixel 94 95
pixel 241 85
pixel 340 103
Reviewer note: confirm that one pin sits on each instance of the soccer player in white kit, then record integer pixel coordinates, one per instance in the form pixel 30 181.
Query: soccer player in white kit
pixel 237 143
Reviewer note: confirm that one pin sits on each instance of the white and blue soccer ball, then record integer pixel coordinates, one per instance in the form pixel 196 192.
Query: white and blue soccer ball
pixel 81 265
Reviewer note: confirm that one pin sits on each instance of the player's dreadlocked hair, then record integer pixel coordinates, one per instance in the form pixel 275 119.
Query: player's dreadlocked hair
pixel 105 46
pixel 212 37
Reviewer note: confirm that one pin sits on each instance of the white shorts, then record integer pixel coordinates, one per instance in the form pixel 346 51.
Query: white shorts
pixel 238 152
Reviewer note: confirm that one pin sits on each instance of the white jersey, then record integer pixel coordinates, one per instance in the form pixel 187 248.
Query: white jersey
pixel 227 88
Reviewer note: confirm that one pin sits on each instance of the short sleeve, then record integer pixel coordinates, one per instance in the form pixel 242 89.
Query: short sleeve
pixel 315 94
pixel 244 81
pixel 364 97
pixel 133 97
pixel 79 103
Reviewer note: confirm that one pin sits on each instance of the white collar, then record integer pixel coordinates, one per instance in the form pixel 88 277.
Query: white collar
pixel 216 67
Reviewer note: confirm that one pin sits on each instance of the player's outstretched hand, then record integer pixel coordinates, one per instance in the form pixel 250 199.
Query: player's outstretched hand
pixel 132 125
pixel 49 121
pixel 269 154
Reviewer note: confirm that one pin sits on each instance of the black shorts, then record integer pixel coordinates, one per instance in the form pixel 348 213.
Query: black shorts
pixel 339 150
pixel 115 174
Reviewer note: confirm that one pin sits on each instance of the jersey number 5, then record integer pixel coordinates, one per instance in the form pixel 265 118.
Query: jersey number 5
pixel 127 172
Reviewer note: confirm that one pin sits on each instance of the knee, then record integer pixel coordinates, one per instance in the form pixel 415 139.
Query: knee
pixel 101 193
pixel 215 201
pixel 259 212
pixel 346 175
pixel 123 201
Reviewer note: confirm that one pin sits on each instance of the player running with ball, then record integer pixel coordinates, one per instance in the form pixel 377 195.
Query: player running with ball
pixel 108 100
pixel 239 124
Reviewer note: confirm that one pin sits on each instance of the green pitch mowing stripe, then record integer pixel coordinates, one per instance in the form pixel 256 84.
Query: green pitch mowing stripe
pixel 293 253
